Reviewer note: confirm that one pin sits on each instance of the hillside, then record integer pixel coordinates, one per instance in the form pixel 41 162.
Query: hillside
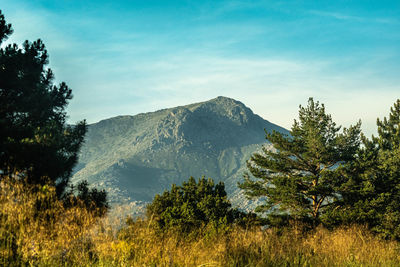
pixel 136 157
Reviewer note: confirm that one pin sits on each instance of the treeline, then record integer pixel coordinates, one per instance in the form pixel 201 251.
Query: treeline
pixel 331 196
pixel 320 175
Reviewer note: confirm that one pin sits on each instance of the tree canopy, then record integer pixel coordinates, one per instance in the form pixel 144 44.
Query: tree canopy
pixel 371 194
pixel 301 175
pixel 36 144
pixel 194 205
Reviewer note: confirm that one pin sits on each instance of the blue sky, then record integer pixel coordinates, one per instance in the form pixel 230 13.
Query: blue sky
pixel 128 57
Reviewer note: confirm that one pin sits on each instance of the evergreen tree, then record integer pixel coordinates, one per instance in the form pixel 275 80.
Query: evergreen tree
pixel 90 198
pixel 372 193
pixel 300 177
pixel 36 144
pixel 194 205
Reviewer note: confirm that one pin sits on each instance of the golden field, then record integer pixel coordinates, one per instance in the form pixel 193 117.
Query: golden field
pixel 37 230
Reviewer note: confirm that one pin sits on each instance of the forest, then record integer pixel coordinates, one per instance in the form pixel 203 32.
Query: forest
pixel 331 195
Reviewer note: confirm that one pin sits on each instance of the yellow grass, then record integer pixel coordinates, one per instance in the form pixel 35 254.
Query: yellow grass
pixel 59 236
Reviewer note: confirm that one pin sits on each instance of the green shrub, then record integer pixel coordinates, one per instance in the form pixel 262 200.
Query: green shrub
pixel 195 205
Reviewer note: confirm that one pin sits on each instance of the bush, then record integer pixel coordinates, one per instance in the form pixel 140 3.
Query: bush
pixel 195 205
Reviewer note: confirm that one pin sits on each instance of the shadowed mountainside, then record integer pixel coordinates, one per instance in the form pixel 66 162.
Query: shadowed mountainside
pixel 136 157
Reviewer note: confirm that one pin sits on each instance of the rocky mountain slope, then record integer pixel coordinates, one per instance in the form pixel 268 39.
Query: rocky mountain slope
pixel 136 157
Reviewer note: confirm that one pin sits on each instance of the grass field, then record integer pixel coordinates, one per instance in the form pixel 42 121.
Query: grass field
pixel 57 236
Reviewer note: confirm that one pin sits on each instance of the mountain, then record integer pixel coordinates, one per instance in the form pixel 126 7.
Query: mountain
pixel 136 157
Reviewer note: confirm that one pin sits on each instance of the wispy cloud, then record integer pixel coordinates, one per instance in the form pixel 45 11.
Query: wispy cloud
pixel 270 56
pixel 353 18
pixel 273 88
pixel 335 15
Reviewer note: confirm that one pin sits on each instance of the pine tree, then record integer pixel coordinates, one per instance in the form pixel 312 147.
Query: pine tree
pixel 389 130
pixel 372 193
pixel 300 177
pixel 36 144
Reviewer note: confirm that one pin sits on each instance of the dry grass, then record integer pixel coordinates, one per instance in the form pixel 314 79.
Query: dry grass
pixel 35 228
pixel 57 236
pixel 354 246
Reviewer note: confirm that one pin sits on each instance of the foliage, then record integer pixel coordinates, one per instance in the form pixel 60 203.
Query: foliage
pixel 301 176
pixel 36 144
pixel 92 198
pixel 194 205
pixel 372 193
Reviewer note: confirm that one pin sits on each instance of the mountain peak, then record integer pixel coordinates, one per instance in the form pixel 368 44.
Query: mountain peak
pixel 135 157
pixel 224 99
pixel 221 106
pixel 221 100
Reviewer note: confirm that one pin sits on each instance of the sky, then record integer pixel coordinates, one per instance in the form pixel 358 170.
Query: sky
pixel 129 57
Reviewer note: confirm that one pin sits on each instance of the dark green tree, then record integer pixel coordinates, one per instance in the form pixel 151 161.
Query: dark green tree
pixel 90 198
pixel 372 193
pixel 36 144
pixel 300 176
pixel 192 206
